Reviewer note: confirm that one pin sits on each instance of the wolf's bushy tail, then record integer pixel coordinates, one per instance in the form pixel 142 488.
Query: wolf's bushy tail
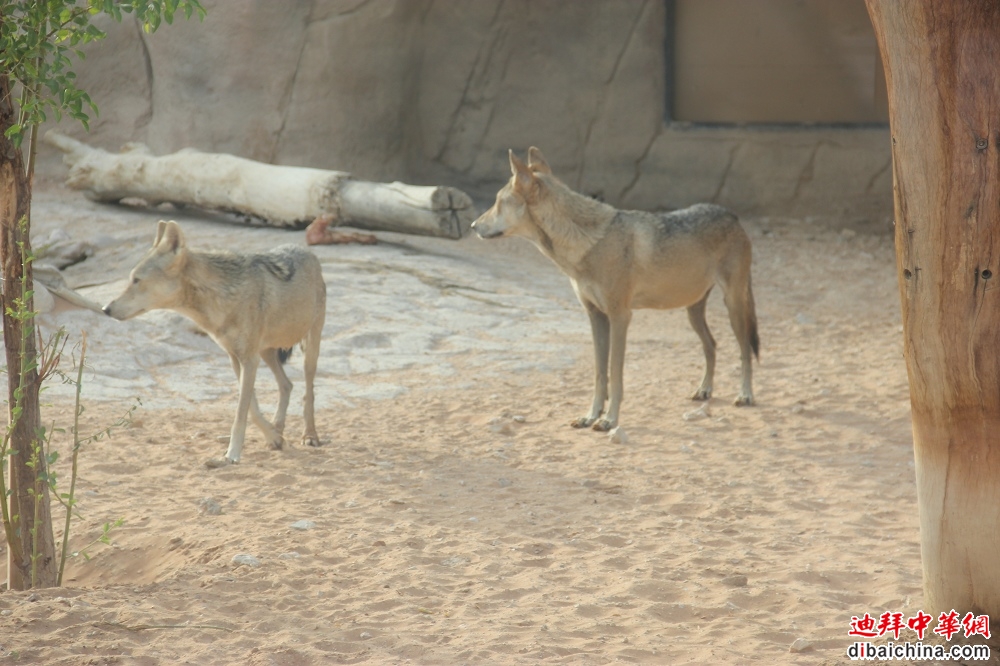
pixel 751 315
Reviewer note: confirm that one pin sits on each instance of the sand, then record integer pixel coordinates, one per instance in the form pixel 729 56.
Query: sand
pixel 452 515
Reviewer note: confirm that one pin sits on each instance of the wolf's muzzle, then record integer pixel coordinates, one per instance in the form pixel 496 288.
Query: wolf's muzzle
pixel 487 234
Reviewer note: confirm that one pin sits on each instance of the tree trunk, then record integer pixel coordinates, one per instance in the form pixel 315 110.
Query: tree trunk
pixel 941 64
pixel 25 483
pixel 281 196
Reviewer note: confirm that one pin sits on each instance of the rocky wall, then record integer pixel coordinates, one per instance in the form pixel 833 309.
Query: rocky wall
pixel 436 91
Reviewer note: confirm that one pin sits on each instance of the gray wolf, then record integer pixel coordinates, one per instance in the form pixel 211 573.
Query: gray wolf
pixel 619 260
pixel 255 306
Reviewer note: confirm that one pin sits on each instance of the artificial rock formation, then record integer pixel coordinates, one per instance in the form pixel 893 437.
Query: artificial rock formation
pixel 430 92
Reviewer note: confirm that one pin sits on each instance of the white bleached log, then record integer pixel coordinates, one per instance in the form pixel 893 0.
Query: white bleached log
pixel 282 196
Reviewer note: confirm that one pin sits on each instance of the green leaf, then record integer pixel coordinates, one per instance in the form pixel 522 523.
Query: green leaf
pixel 13 130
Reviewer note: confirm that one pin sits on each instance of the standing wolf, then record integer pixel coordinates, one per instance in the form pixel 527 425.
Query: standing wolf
pixel 252 305
pixel 618 260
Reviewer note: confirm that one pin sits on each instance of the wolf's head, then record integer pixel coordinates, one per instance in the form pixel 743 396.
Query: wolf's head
pixel 511 213
pixel 155 281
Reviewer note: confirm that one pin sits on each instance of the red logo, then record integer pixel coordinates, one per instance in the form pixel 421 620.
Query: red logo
pixel 976 624
pixel 947 625
pixel 919 623
pixel 890 622
pixel 864 626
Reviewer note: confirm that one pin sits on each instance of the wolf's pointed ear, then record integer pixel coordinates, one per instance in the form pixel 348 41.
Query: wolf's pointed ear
pixel 171 239
pixel 160 226
pixel 536 161
pixel 523 178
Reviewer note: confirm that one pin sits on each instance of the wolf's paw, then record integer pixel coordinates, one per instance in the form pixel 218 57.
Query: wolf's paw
pixel 604 425
pixel 216 463
pixel 702 394
pixel 582 422
pixel 277 444
pixel 311 440
pixel 743 400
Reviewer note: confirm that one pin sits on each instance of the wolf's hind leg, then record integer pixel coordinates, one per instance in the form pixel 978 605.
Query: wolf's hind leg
pixel 696 315
pixel 310 345
pixel 739 301
pixel 272 358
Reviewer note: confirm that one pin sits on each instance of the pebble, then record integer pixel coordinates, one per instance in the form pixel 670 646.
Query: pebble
pixel 303 525
pixel 501 426
pixel 5 612
pixel 247 559
pixel 291 555
pixel 697 414
pixel 618 436
pixel 736 580
pixel 504 483
pixel 365 634
pixel 209 506
pixel 800 645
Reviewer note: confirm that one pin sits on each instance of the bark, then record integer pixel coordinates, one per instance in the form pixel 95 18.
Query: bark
pixel 281 196
pixel 23 481
pixel 940 59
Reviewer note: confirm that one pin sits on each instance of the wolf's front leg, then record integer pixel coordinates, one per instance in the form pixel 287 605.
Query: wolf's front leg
pixel 248 372
pixel 271 433
pixel 619 331
pixel 600 331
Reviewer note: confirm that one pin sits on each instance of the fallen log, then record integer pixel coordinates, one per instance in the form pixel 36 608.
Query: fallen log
pixel 281 196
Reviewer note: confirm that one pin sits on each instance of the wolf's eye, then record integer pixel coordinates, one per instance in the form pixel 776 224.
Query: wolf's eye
pixel 135 280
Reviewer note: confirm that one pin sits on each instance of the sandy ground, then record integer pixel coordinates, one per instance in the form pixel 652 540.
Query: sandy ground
pixel 453 516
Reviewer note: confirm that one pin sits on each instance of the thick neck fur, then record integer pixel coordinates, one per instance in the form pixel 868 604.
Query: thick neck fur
pixel 569 224
pixel 207 281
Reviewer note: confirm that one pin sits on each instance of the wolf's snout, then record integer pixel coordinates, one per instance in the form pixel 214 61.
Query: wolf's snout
pixel 484 233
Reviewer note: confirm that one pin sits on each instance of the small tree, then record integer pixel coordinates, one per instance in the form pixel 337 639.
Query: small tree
pixel 37 41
